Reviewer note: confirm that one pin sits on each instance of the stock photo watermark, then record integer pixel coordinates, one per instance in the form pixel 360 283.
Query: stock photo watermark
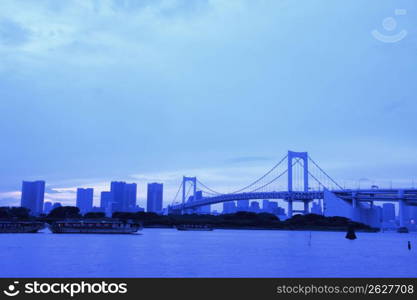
pixel 390 26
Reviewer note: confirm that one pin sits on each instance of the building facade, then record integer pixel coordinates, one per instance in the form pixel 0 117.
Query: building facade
pixel 154 197
pixel 33 193
pixel 85 200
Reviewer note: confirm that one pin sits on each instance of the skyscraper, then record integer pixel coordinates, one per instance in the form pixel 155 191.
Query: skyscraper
pixel 243 205
pixel 266 206
pixel 32 196
pixel 254 207
pixel 118 192
pixel 154 197
pixel 130 196
pixel 47 207
pixel 316 208
pixel 85 200
pixel 229 207
pixel 124 195
pixel 106 198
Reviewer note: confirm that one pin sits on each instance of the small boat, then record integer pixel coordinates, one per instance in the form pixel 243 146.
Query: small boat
pixel 193 227
pixel 350 234
pixel 402 230
pixel 95 226
pixel 21 226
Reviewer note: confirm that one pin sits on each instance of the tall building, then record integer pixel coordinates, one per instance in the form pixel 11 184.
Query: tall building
pixel 130 194
pixel 229 207
pixel 254 207
pixel 266 206
pixel 154 197
pixel 388 211
pixel 123 196
pixel 55 205
pixel 32 196
pixel 85 200
pixel 118 192
pixel 243 205
pixel 47 207
pixel 316 208
pixel 275 209
pixel 106 199
pixel 203 210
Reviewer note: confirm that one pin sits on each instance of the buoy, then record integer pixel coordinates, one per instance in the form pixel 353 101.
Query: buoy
pixel 350 235
pixel 409 245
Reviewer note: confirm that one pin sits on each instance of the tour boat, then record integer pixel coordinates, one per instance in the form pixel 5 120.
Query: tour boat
pixel 186 227
pixel 20 226
pixel 95 226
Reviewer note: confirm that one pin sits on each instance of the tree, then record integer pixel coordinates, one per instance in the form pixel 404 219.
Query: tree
pixel 65 212
pixel 14 212
pixel 94 215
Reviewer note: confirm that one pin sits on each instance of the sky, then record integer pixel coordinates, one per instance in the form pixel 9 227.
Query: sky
pixel 143 91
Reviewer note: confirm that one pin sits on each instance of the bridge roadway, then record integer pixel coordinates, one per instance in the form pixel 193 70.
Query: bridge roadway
pixel 361 195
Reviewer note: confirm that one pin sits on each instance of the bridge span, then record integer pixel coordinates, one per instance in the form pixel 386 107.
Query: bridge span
pixel 354 204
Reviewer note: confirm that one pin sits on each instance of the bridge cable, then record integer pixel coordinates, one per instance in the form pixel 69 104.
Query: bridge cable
pixel 176 195
pixel 276 178
pixel 252 184
pixel 325 173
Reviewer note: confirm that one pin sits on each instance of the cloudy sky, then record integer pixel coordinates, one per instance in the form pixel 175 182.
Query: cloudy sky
pixel 94 91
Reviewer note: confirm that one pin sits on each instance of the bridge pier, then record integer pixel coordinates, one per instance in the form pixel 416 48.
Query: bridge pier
pixel 402 207
pixel 306 211
pixel 290 208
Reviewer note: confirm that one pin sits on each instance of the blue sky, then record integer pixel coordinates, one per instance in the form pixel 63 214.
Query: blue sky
pixel 93 91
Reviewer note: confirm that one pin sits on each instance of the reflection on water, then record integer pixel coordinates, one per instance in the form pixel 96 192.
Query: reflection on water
pixel 220 253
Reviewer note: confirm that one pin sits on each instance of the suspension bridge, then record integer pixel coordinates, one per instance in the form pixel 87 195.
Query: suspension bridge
pixel 297 178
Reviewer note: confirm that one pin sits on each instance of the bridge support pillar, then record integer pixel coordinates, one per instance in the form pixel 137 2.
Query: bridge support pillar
pixel 355 216
pixel 402 209
pixel 306 211
pixel 290 208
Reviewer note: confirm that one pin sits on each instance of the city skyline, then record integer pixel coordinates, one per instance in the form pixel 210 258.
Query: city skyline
pixel 113 99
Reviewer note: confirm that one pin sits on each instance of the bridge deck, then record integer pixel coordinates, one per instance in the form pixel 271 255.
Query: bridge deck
pixel 366 195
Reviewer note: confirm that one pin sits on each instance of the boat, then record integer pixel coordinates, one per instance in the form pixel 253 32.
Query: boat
pixel 402 230
pixel 95 226
pixel 193 227
pixel 20 226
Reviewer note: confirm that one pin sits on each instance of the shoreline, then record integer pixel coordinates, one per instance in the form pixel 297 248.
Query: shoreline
pixel 338 229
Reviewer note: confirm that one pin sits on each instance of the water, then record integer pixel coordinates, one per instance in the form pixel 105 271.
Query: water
pixel 220 253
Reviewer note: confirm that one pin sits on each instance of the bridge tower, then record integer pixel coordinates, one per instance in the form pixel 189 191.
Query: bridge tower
pixel 291 156
pixel 193 181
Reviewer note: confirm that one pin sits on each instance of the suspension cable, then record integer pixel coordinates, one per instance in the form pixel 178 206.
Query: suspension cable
pixel 325 173
pixel 250 185
pixel 276 178
pixel 176 195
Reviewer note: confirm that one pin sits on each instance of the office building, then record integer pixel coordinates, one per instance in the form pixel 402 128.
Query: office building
pixel 254 207
pixel 106 199
pixel 229 207
pixel 55 205
pixel 123 196
pixel 33 196
pixel 243 205
pixel 85 200
pixel 316 208
pixel 266 206
pixel 130 196
pixel 47 207
pixel 276 209
pixel 154 197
